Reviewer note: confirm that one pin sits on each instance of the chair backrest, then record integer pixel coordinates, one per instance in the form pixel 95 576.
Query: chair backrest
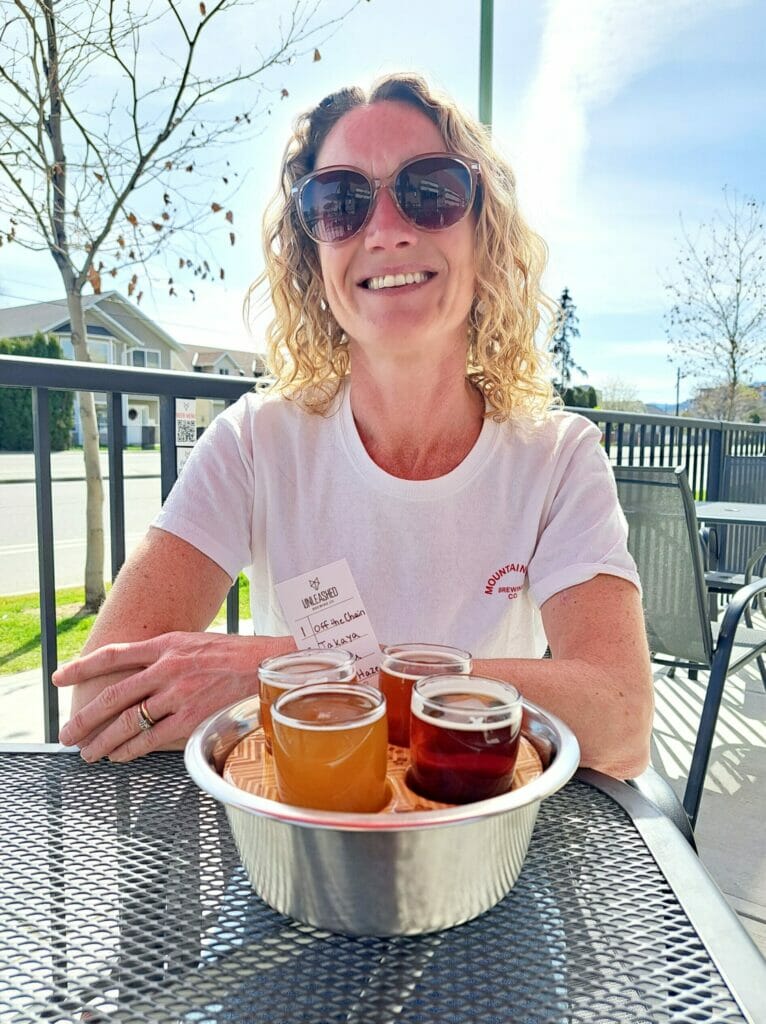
pixel 743 479
pixel 663 539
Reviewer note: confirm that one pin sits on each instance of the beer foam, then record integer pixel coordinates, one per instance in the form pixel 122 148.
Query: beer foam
pixel 477 724
pixel 323 720
pixel 458 714
pixel 440 667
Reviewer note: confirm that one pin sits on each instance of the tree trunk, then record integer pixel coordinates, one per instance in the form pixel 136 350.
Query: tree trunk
pixel 94 502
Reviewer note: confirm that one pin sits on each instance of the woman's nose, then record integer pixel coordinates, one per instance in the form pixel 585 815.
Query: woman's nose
pixel 387 228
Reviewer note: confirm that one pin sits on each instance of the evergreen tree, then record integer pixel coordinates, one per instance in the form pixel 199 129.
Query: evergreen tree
pixel 567 328
pixel 16 403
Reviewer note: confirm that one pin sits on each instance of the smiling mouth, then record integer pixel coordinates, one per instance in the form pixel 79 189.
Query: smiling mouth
pixel 375 284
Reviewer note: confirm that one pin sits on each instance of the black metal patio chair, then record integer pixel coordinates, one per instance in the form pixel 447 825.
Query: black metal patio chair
pixel 664 541
pixel 734 551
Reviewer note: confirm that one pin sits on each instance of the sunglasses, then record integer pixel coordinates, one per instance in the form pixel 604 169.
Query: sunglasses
pixel 432 191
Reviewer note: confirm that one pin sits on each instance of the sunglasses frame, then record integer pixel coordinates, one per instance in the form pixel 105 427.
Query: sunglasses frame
pixel 376 184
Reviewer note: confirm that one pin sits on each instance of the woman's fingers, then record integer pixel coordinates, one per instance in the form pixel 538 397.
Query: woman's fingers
pixel 126 734
pixel 106 660
pixel 160 736
pixel 87 740
pixel 110 704
pixel 103 742
pixel 183 677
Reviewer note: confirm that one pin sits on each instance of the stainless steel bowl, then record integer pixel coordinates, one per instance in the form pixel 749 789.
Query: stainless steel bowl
pixel 380 874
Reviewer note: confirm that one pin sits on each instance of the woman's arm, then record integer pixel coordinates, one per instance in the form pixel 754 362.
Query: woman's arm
pixel 148 643
pixel 599 678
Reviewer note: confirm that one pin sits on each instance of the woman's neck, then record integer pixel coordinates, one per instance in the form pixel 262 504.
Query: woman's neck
pixel 417 427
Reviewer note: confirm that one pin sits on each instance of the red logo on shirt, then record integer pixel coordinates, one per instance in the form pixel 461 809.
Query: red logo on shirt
pixel 511 591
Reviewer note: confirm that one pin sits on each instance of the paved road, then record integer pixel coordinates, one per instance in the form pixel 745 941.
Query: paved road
pixel 21 466
pixel 18 539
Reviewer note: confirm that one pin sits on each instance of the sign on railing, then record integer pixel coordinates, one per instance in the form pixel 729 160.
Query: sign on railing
pixel 186 430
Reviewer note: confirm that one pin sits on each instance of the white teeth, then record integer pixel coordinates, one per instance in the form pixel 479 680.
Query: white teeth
pixel 396 280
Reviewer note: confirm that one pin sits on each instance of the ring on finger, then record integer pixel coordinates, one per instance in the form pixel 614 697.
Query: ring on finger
pixel 145 720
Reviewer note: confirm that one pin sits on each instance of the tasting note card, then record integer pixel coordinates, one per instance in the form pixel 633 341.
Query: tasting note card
pixel 323 609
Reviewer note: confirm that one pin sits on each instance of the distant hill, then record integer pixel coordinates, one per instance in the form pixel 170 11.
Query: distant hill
pixel 667 408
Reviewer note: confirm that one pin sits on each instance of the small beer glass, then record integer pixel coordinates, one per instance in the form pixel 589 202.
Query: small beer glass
pixel 464 737
pixel 331 747
pixel 401 665
pixel 285 671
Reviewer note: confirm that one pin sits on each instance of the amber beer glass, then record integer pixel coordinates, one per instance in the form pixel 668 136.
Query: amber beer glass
pixel 299 668
pixel 464 737
pixel 401 665
pixel 331 747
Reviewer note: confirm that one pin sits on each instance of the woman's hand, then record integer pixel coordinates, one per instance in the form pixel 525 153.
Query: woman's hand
pixel 180 677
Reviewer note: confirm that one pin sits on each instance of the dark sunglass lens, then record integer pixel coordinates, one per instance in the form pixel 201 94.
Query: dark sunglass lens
pixel 334 205
pixel 434 192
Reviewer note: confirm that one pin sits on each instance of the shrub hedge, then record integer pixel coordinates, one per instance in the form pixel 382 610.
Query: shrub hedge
pixel 16 403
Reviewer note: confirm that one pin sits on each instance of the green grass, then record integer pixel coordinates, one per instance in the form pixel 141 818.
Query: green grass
pixel 20 626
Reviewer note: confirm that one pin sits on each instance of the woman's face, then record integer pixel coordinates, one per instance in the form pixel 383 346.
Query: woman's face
pixel 401 322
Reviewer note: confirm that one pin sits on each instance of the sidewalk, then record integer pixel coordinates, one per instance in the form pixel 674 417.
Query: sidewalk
pixel 730 827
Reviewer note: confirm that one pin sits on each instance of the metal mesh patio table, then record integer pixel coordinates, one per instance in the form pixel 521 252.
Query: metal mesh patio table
pixel 122 898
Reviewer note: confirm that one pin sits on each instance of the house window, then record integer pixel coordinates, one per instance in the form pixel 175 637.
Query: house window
pixel 224 371
pixel 100 351
pixel 146 357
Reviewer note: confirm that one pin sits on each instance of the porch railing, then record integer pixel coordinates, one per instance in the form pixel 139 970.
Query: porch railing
pixel 628 439
pixel 44 375
pixel 638 439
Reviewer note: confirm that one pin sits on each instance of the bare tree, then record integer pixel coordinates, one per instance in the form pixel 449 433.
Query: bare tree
pixel 111 127
pixel 717 322
pixel 715 404
pixel 620 395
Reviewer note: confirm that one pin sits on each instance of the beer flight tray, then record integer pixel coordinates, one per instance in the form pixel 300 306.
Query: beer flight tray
pixel 250 767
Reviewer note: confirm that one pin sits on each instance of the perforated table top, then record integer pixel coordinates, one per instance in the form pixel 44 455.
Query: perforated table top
pixel 122 899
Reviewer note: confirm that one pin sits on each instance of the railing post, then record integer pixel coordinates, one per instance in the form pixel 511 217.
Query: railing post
pixel 116 482
pixel 43 495
pixel 168 469
pixel 232 608
pixel 715 464
pixel 232 598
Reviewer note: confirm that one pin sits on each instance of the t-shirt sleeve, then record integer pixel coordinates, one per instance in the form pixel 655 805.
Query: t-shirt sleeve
pixel 584 532
pixel 211 503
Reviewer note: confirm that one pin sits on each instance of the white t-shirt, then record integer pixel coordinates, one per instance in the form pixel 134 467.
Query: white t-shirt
pixel 466 559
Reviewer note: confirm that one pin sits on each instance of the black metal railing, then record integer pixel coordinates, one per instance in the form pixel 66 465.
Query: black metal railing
pixel 628 439
pixel 638 439
pixel 44 375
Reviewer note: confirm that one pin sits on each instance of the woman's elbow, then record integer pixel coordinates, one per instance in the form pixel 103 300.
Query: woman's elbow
pixel 625 750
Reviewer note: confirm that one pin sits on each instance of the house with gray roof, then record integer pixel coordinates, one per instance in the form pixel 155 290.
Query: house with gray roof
pixel 228 362
pixel 118 333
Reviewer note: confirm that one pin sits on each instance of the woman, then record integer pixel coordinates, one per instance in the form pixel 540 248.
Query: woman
pixel 411 434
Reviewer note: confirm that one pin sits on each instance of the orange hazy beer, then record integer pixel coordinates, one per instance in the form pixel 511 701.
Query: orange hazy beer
pixel 331 747
pixel 402 664
pixel 299 668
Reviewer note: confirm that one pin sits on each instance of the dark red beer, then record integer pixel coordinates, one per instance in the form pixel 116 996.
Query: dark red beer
pixel 464 737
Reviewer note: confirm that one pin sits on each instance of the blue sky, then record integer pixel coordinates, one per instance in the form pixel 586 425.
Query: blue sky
pixel 618 115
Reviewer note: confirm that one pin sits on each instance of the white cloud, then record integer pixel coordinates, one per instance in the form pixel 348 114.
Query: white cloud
pixel 589 52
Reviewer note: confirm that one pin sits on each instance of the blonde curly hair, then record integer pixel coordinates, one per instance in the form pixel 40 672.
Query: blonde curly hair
pixel 307 348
